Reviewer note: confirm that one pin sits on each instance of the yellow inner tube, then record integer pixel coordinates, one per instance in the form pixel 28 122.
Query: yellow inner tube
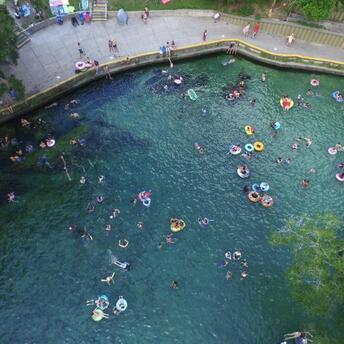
pixel 249 130
pixel 254 196
pixel 291 103
pixel 177 225
pixel 258 146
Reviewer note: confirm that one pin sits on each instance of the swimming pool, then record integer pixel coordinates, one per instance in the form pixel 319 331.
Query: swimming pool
pixel 141 136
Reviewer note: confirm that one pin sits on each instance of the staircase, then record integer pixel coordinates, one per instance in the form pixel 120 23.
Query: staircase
pixel 99 12
pixel 22 36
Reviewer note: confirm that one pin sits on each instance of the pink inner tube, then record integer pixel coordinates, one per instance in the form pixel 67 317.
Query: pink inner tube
pixel 50 143
pixel 80 65
pixel 332 151
pixel 315 82
pixel 340 177
pixel 177 81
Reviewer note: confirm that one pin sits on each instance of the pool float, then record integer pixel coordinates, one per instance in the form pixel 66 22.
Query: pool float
pixel 258 146
pixel 50 143
pixel 256 187
pixel 192 94
pixel 286 103
pixel 332 151
pixel 98 314
pixel 242 174
pixel 249 130
pixel 203 222
pixel 235 149
pixel 315 82
pixel 249 147
pixel 228 255
pixel 144 195
pixel 264 186
pixel 236 255
pixel 267 201
pixel 335 95
pixel 80 65
pixel 178 81
pixel 121 304
pixel 177 225
pixel 253 196
pixel 165 2
pixel 102 302
pixel 124 266
pixel 146 202
pixel 276 125
pixel 123 243
pixel 340 177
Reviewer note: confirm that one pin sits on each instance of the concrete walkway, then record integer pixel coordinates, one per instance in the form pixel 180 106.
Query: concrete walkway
pixel 51 55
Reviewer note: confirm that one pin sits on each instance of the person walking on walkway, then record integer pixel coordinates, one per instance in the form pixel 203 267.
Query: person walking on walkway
pixel 255 30
pixel 205 35
pixel 246 29
pixel 110 45
pixel 81 51
pixel 290 40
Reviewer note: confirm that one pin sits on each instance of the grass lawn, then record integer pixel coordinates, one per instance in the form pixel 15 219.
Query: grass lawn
pixel 139 5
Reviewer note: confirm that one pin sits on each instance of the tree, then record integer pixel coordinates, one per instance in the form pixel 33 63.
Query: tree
pixel 316 9
pixel 316 274
pixel 8 49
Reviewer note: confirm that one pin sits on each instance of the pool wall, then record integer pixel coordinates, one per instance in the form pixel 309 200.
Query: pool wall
pixel 286 61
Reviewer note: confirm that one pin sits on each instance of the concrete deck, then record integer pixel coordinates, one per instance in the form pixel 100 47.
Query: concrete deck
pixel 51 55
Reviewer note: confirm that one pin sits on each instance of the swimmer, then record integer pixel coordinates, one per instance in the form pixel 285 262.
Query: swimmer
pixel 90 208
pixel 123 243
pixel 279 160
pixel 11 197
pixel 244 263
pixel 247 155
pixel 86 235
pixel 296 335
pixel 228 255
pixel 74 102
pixel 236 255
pixel 312 170
pixel 107 227
pixel 100 199
pixel 205 221
pixel 287 161
pixel 309 92
pixel 29 148
pixel 294 146
pixel 263 77
pixel 339 147
pixel 165 87
pixel 200 148
pixel 169 239
pixel 204 111
pixel 223 264
pixel 82 180
pixel 253 102
pixel 115 213
pixel 101 179
pixel 134 201
pixel 160 245
pixel 305 183
pixel 108 279
pixel 299 100
pixel 340 165
pixel 51 105
pixel 229 275
pixel 174 285
pixel 244 274
pixel 308 141
pixel 74 115
pixel 247 189
pixel 140 225
pixel 24 123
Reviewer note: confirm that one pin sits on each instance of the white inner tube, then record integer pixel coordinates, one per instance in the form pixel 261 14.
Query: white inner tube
pixel 121 304
pixel 146 202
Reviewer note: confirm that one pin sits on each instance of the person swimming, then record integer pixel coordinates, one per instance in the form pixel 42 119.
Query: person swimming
pixel 305 183
pixel 279 160
pixel 115 213
pixel 228 255
pixel 90 208
pixel 107 227
pixel 140 225
pixel 174 285
pixel 203 222
pixel 101 179
pixel 109 279
pixel 247 188
pixel 11 197
pixel 82 180
pixel 236 255
pixel 229 275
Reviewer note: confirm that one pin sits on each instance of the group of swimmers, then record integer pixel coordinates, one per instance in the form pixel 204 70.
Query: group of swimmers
pixel 235 256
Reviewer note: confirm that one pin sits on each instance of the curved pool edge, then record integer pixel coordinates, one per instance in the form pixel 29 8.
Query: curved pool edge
pixel 286 61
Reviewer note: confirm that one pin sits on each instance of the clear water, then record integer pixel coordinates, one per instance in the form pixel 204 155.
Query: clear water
pixel 141 137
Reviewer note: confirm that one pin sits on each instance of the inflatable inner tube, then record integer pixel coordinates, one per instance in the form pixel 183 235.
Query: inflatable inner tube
pixel 192 94
pixel 243 173
pixel 276 125
pixel 235 149
pixel 178 81
pixel 256 187
pixel 249 130
pixel 249 147
pixel 80 65
pixel 97 314
pixel 335 97
pixel 264 186
pixel 253 196
pixel 340 177
pixel 228 255
pixel 177 225
pixel 332 151
pixel 236 255
pixel 121 304
pixel 286 103
pixel 267 201
pixel 315 82
pixel 146 202
pixel 258 146
pixel 102 302
pixel 50 142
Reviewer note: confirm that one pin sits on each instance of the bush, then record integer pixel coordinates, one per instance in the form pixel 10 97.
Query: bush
pixel 244 11
pixel 18 86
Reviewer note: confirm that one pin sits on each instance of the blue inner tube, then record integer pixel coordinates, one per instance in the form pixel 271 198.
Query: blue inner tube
pixel 277 125
pixel 146 202
pixel 264 186
pixel 249 147
pixel 256 187
pixel 334 94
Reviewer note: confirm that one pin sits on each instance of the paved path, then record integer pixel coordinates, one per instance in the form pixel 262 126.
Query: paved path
pixel 52 52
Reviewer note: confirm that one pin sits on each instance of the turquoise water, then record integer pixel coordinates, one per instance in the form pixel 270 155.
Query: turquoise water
pixel 141 137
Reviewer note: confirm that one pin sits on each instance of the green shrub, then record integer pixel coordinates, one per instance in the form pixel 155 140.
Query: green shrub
pixel 244 11
pixel 18 86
